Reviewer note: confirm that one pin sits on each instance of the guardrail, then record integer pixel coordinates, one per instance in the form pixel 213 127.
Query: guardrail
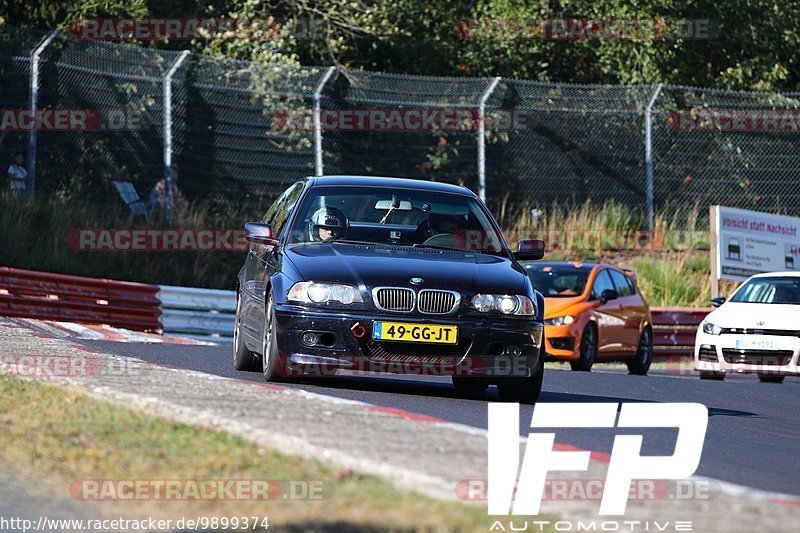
pixel 205 312
pixel 211 312
pixel 674 329
pixel 33 294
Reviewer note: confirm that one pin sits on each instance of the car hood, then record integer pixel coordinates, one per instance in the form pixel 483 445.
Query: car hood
pixel 561 306
pixel 750 316
pixel 378 265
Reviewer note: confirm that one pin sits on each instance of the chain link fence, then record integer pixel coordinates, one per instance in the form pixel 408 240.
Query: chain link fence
pixel 240 132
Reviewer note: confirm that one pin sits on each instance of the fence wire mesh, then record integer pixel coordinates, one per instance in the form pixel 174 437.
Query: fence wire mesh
pixel 122 88
pixel 567 143
pixel 16 48
pixel 739 149
pixel 241 131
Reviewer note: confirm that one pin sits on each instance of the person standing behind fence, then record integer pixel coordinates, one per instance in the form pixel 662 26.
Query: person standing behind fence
pixel 17 175
pixel 158 195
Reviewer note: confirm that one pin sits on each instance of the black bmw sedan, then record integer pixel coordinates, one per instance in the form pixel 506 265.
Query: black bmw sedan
pixel 388 275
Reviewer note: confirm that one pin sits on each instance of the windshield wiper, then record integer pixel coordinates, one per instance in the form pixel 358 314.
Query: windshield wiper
pixel 346 241
pixel 436 247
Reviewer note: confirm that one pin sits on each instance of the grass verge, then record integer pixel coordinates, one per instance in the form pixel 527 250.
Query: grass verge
pixel 61 433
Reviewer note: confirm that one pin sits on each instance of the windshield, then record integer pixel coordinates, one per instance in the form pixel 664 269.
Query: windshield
pixel 769 291
pixel 559 281
pixel 402 217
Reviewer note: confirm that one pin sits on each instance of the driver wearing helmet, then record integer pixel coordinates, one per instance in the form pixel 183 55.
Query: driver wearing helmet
pixel 327 223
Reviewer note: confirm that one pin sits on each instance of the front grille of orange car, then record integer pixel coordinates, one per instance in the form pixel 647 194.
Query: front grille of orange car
pixel 708 352
pixel 757 357
pixel 562 343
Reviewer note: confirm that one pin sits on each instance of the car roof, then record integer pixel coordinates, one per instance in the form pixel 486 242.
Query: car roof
pixel 782 274
pixel 382 181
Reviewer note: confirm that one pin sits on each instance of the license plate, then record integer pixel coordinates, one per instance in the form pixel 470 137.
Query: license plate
pixel 756 344
pixel 405 332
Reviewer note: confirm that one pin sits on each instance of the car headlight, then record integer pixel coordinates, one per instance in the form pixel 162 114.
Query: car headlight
pixel 320 293
pixel 559 321
pixel 508 304
pixel 711 329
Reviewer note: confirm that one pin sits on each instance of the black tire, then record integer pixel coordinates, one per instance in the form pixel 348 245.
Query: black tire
pixel 525 391
pixel 243 359
pixel 464 384
pixel 644 354
pixel 272 366
pixel 588 349
pixel 710 374
pixel 770 379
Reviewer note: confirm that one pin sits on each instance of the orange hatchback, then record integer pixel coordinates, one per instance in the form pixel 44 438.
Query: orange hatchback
pixel 593 312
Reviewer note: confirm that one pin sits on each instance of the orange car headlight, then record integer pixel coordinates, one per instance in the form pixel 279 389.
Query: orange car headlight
pixel 559 321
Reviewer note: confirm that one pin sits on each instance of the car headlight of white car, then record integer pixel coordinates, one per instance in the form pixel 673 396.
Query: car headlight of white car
pixel 711 329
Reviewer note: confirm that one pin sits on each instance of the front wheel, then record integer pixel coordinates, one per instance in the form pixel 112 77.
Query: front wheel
pixel 588 349
pixel 764 378
pixel 525 391
pixel 243 359
pixel 272 365
pixel 644 354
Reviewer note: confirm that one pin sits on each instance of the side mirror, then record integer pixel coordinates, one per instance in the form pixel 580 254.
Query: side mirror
pixel 259 233
pixel 530 250
pixel 719 300
pixel 608 295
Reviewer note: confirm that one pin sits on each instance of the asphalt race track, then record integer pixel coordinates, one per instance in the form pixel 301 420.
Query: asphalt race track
pixel 753 430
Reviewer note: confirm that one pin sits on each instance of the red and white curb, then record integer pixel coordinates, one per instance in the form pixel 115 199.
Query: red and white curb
pixel 71 330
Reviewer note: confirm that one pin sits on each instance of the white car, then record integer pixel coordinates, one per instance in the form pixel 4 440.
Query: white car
pixel 757 330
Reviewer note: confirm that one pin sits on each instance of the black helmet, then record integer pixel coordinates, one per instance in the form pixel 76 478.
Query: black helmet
pixel 328 218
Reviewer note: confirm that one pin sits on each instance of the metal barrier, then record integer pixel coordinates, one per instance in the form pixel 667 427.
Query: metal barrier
pixel 211 312
pixel 43 295
pixel 674 330
pixel 187 310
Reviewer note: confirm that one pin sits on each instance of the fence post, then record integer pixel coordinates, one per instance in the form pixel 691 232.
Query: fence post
pixel 30 182
pixel 482 138
pixel 168 131
pixel 317 122
pixel 648 156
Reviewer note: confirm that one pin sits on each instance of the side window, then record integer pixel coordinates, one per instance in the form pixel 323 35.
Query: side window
pixel 601 283
pixel 623 283
pixel 274 207
pixel 285 208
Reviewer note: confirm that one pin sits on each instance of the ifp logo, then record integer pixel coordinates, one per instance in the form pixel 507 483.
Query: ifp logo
pixel 626 463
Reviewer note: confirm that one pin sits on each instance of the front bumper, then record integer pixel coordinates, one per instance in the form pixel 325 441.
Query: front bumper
pixel 484 348
pixel 563 342
pixel 747 354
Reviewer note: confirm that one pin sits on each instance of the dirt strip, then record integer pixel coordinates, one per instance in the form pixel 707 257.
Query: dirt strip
pixel 417 453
